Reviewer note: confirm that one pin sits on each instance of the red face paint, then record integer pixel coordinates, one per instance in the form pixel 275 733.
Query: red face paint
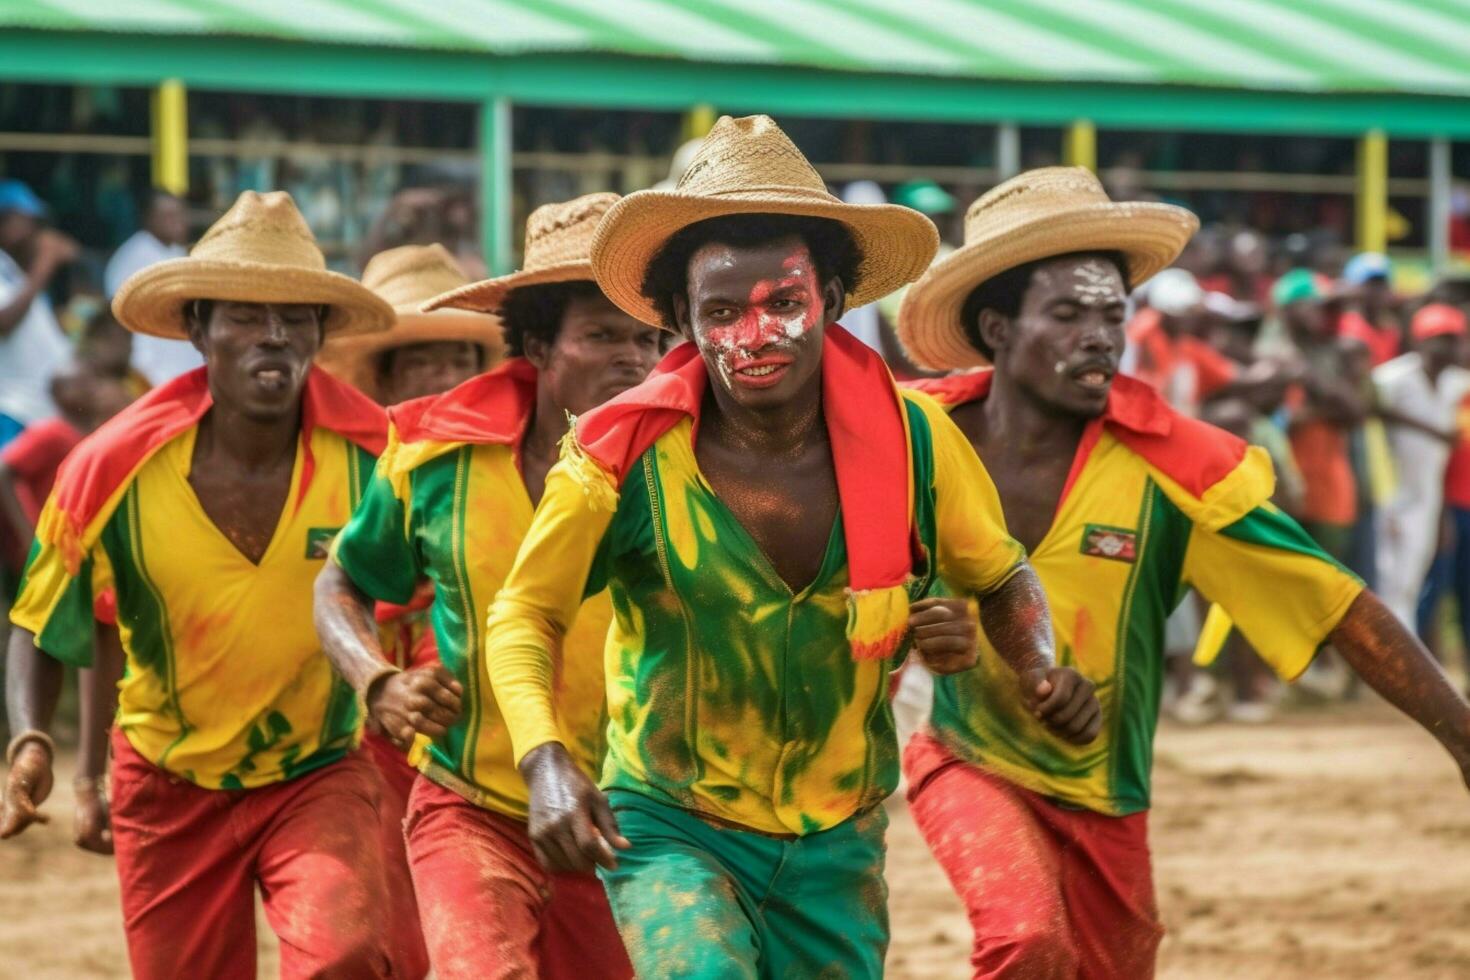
pixel 777 313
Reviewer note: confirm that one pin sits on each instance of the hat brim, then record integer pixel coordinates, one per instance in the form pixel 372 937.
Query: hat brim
pixel 153 300
pixel 897 244
pixel 351 357
pixel 488 295
pixel 1150 236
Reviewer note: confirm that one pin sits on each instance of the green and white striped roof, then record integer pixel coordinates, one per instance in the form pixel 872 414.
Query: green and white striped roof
pixel 1377 46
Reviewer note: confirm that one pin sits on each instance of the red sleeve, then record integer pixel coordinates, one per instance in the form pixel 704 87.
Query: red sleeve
pixel 40 448
pixel 1213 369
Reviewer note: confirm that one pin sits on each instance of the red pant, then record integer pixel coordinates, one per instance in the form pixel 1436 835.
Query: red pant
pixel 1050 892
pixel 398 777
pixel 188 860
pixel 489 910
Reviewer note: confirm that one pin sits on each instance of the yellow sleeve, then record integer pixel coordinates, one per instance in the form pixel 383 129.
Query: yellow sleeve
pixel 1283 592
pixel 539 601
pixel 976 555
pixel 55 600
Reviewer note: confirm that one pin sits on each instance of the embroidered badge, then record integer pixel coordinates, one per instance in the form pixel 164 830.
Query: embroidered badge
pixel 1117 543
pixel 319 541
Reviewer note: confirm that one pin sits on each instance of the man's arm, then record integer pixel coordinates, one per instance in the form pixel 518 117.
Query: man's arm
pixel 401 703
pixel 1395 664
pixel 32 686
pixel 11 512
pixel 97 689
pixel 571 826
pixel 978 558
pixel 53 250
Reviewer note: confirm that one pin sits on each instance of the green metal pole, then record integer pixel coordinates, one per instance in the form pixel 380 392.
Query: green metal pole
pixel 495 187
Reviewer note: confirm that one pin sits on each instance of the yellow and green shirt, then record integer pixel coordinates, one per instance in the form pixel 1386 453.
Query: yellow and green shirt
pixel 456 513
pixel 729 694
pixel 1128 541
pixel 225 683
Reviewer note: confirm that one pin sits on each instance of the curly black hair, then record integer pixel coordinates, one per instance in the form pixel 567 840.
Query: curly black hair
pixel 537 311
pixel 1005 291
pixel 833 251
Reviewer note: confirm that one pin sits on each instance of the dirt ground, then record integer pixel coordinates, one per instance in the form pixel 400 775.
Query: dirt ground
pixel 1331 843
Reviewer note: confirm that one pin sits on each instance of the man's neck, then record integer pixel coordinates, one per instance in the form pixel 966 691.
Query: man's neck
pixel 784 431
pixel 253 444
pixel 547 427
pixel 1017 424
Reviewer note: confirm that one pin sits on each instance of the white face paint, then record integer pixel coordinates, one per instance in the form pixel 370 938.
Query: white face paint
pixel 1095 282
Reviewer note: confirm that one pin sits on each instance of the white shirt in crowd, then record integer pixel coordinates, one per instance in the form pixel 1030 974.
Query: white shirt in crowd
pixel 157 359
pixel 34 351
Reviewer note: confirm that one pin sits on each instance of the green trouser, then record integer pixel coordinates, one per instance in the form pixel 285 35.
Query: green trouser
pixel 695 900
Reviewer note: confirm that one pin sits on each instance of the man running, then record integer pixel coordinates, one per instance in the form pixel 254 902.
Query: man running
pixel 209 504
pixel 761 578
pixel 451 501
pixel 1120 502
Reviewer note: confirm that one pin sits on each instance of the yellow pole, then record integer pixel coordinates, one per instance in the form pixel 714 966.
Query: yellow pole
pixel 1079 145
pixel 699 120
pixel 1373 192
pixel 171 137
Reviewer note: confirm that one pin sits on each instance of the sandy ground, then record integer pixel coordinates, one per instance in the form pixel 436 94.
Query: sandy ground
pixel 1333 843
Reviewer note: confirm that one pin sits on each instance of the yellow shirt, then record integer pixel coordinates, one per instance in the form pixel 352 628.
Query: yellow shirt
pixel 225 682
pixel 456 514
pixel 728 693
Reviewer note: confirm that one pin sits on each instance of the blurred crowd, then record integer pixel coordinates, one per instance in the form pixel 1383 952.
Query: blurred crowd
pixel 1359 393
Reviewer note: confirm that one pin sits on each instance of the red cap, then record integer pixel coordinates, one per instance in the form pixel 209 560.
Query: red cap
pixel 1436 320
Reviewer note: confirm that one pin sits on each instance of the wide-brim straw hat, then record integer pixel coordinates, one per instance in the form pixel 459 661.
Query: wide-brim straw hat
pixel 1034 215
pixel 260 251
pixel 749 166
pixel 558 249
pixel 405 278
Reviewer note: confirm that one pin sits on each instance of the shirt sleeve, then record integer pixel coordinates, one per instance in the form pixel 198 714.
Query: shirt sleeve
pixel 1283 592
pixel 536 605
pixel 55 601
pixel 1213 369
pixel 975 553
pixel 376 548
pixel 37 449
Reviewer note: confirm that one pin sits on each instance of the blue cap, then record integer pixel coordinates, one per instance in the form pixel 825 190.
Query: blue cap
pixel 1366 266
pixel 16 196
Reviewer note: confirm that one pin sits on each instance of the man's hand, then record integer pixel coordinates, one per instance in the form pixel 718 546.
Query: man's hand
pixel 946 636
pixel 26 789
pixel 425 701
pixel 54 249
pixel 571 826
pixel 1064 701
pixel 92 821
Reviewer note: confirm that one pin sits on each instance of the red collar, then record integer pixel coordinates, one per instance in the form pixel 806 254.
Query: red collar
pixel 489 409
pixel 1132 405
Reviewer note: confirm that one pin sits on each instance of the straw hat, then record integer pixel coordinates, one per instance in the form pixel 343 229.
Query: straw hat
pixel 1038 214
pixel 558 249
pixel 261 251
pixel 748 166
pixel 405 277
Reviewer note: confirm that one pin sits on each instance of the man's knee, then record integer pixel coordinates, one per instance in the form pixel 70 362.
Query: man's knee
pixel 1040 951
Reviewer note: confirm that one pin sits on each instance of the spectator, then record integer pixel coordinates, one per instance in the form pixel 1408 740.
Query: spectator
pixel 165 229
pixel 85 399
pixel 1370 316
pixel 1419 394
pixel 32 345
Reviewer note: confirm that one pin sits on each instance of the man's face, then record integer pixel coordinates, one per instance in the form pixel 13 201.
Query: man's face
pixel 1064 345
pixel 167 220
pixel 599 352
pixel 18 232
pixel 430 368
pixel 758 314
pixel 1306 319
pixel 258 355
pixel 1441 351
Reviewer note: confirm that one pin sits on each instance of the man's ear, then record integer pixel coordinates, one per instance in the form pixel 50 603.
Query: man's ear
pixel 196 331
pixel 995 329
pixel 834 299
pixel 682 321
pixel 536 351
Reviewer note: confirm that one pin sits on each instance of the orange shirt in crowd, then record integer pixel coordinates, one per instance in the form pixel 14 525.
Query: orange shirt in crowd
pixel 1383 343
pixel 1183 369
pixel 1457 472
pixel 1321 452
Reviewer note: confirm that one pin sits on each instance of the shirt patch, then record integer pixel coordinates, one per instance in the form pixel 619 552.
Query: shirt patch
pixel 1117 543
pixel 319 541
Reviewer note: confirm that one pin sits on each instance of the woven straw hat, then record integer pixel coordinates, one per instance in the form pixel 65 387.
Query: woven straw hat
pixel 558 249
pixel 405 277
pixel 748 166
pixel 260 251
pixel 1035 215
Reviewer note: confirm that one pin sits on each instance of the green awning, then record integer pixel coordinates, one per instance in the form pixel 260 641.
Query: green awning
pixel 1419 47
